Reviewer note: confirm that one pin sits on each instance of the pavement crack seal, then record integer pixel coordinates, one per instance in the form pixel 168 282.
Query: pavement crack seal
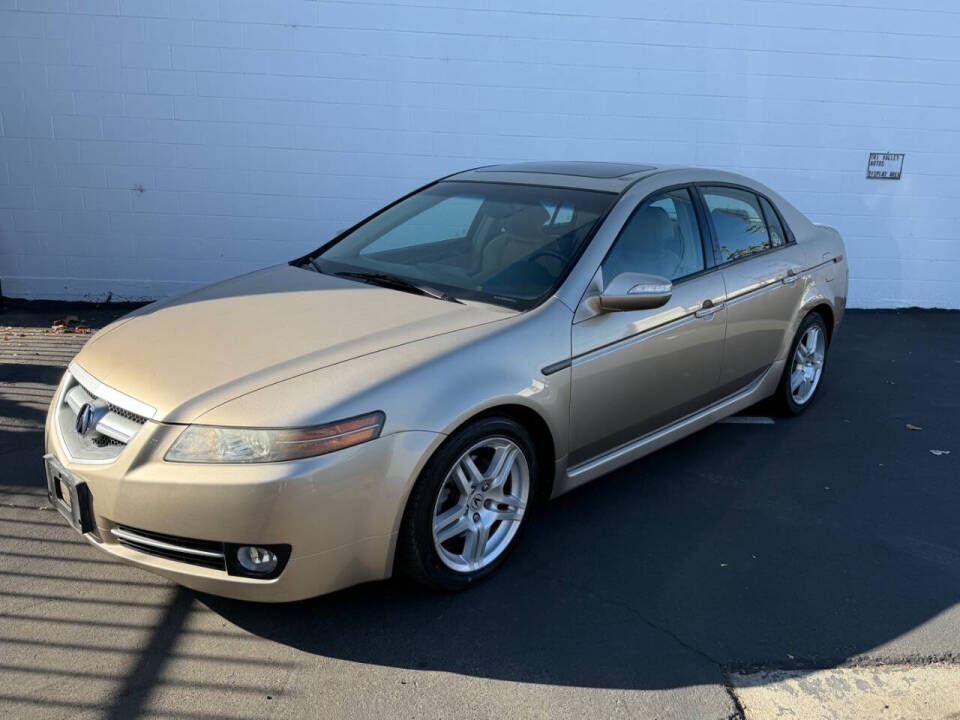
pixel 907 691
pixel 950 659
pixel 634 611
pixel 795 665
pixel 738 713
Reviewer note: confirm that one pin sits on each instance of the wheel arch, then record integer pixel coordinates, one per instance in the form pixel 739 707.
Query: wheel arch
pixel 539 430
pixel 826 312
pixel 544 446
pixel 814 301
pixel 535 423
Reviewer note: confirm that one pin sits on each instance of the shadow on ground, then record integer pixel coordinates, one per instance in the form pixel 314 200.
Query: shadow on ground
pixel 801 544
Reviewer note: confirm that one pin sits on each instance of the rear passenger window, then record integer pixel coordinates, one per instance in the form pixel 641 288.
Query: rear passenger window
pixel 777 236
pixel 738 222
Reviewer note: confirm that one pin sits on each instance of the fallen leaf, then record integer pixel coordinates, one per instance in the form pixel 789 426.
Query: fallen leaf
pixel 913 427
pixel 65 322
pixel 939 452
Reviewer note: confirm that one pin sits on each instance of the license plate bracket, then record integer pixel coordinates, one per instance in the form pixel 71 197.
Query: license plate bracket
pixel 69 495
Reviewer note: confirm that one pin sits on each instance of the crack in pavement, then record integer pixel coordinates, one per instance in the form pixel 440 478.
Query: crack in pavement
pixel 724 676
pixel 949 659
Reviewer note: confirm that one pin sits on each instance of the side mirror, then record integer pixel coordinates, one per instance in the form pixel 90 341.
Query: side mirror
pixel 636 291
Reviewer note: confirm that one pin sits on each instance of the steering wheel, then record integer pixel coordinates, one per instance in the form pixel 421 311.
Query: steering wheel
pixel 547 252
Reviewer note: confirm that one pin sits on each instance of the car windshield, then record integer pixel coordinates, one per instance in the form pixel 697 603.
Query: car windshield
pixel 510 245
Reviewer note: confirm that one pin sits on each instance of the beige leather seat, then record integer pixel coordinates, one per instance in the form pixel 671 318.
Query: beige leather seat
pixel 522 234
pixel 648 244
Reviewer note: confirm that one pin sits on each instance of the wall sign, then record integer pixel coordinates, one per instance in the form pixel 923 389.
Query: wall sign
pixel 885 166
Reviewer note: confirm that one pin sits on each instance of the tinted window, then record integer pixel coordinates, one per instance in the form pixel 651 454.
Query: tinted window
pixel 777 236
pixel 499 243
pixel 737 221
pixel 661 238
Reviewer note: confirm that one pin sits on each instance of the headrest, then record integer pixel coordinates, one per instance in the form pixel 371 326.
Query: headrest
pixel 653 227
pixel 527 221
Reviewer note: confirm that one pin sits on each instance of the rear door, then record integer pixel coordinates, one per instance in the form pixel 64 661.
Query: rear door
pixel 761 269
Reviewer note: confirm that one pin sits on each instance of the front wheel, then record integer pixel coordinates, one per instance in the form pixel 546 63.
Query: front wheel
pixel 805 364
pixel 469 505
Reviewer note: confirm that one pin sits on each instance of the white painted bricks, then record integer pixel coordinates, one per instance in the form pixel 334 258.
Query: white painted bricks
pixel 147 146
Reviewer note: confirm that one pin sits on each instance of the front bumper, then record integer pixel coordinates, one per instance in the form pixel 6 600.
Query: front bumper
pixel 340 512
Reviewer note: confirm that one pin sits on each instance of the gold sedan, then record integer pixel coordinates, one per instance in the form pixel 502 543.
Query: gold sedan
pixel 402 398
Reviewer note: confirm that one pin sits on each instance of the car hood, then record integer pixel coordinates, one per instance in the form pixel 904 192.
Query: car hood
pixel 188 354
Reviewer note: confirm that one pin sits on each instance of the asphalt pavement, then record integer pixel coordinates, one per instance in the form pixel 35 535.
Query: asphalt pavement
pixel 672 588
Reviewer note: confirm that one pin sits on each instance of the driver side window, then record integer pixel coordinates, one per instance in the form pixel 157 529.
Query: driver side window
pixel 662 237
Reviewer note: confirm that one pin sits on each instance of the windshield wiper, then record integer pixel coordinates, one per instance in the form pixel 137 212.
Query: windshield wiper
pixel 398 283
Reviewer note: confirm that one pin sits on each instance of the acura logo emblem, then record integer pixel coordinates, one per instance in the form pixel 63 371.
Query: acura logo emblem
pixel 84 418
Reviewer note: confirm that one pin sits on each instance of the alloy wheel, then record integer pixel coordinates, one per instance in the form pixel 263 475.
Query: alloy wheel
pixel 481 504
pixel 807 366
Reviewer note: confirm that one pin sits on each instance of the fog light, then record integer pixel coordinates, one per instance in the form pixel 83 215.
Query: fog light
pixel 256 559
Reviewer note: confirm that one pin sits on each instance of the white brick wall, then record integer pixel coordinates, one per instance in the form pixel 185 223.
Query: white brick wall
pixel 150 145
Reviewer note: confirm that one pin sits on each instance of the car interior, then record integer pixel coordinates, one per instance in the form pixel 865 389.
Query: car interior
pixel 509 247
pixel 661 238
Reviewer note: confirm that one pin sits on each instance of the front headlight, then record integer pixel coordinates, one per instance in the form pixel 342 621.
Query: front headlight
pixel 207 444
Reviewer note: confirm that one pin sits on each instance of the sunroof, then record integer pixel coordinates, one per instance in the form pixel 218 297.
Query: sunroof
pixel 580 168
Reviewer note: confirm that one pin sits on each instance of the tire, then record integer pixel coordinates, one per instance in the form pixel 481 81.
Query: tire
pixel 803 373
pixel 453 505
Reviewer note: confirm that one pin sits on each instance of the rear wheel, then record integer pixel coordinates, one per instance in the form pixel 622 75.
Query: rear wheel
pixel 805 364
pixel 469 505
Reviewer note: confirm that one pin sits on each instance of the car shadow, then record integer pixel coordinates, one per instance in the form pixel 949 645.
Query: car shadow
pixel 800 544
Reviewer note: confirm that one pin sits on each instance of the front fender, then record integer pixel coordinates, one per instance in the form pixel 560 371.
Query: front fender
pixel 432 385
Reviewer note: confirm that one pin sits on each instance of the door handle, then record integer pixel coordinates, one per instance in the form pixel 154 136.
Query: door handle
pixel 790 278
pixel 708 308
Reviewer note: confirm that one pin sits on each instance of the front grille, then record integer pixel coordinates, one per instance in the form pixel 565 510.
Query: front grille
pixel 205 553
pixel 139 419
pixel 114 418
pixel 104 441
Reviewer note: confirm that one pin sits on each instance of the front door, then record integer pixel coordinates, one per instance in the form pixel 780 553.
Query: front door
pixel 636 371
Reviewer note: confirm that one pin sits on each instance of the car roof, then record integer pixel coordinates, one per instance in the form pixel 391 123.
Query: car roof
pixel 606 176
